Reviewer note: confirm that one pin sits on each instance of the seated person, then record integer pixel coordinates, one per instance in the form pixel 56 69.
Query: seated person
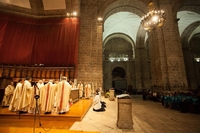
pixel 97 106
pixel 102 102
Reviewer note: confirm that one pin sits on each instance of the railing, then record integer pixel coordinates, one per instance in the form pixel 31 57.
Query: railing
pixel 35 72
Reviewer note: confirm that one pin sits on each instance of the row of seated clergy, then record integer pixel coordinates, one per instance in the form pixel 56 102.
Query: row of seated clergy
pixel 51 95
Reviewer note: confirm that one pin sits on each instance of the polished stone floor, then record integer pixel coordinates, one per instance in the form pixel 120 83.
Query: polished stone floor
pixel 148 117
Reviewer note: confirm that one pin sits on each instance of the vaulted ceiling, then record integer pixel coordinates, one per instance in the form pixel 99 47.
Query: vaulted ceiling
pixel 61 8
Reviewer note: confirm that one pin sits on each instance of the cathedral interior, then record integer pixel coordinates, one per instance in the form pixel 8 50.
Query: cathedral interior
pixel 137 45
pixel 101 42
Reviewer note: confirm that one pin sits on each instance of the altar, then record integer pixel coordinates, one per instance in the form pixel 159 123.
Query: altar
pixel 74 95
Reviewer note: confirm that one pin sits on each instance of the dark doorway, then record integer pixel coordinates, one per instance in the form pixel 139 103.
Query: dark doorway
pixel 118 80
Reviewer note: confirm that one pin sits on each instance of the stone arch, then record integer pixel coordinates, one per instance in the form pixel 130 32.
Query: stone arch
pixel 177 5
pixel 118 6
pixel 140 36
pixel 187 5
pixel 119 35
pixel 117 48
pixel 115 45
pixel 122 22
pixel 118 79
pixel 185 37
pixel 118 71
pixel 112 4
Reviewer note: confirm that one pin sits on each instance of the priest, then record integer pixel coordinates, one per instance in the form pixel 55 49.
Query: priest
pixel 62 98
pixel 16 96
pixel 8 94
pixel 25 99
pixel 80 88
pixel 87 90
pixel 47 97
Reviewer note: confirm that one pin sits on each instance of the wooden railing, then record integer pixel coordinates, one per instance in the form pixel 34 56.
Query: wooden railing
pixel 35 72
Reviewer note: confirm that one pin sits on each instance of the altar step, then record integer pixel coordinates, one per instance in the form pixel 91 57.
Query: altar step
pixel 11 122
pixel 76 113
pixel 40 130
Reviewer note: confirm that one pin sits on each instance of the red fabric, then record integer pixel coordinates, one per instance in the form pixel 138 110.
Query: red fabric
pixel 52 42
pixel 3 25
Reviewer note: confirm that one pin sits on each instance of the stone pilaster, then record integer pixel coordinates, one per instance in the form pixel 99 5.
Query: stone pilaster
pixel 90 44
pixel 169 68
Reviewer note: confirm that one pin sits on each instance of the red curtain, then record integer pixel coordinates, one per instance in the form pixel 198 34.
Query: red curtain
pixel 52 42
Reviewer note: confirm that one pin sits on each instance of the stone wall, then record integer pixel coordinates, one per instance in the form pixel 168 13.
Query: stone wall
pixel 165 67
pixel 90 44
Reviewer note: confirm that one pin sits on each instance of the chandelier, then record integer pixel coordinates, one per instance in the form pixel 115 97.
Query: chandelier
pixel 154 18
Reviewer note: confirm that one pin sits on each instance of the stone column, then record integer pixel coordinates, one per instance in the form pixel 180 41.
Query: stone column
pixel 138 67
pixel 141 66
pixel 90 44
pixel 189 60
pixel 168 54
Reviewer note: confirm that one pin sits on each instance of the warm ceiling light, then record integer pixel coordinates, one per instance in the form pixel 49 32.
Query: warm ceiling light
pixel 68 14
pixel 154 18
pixel 74 14
pixel 100 18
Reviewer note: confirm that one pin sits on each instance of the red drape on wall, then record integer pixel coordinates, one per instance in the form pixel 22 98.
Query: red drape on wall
pixel 52 42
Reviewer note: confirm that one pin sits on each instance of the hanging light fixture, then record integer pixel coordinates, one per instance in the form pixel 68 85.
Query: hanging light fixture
pixel 154 18
pixel 118 57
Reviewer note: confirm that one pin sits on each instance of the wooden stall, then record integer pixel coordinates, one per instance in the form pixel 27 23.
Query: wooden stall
pixel 9 72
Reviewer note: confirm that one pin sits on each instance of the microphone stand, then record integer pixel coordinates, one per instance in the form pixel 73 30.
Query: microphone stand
pixel 36 107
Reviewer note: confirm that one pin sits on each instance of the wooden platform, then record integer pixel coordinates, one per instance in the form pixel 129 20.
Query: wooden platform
pixel 76 112
pixel 38 130
pixel 12 122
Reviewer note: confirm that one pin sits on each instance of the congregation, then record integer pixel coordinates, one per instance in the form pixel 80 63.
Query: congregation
pixel 42 96
pixel 182 101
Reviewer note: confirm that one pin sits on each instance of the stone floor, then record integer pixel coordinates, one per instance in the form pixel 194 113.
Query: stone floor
pixel 148 117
